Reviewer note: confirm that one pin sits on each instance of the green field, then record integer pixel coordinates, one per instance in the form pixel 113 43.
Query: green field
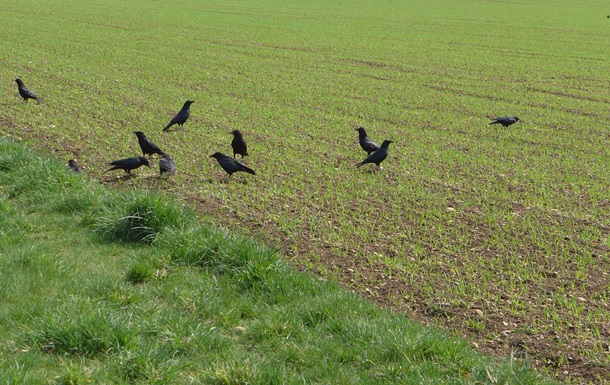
pixel 497 234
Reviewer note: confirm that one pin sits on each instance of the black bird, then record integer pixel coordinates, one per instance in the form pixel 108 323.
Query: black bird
pixel 24 92
pixel 378 156
pixel 238 144
pixel 147 146
pixel 181 116
pixel 505 120
pixel 167 165
pixel 129 164
pixel 73 165
pixel 365 142
pixel 230 165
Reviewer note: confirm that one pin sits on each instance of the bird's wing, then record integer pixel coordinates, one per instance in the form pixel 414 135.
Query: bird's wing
pixel 167 165
pixel 370 144
pixel 375 157
pixel 179 118
pixel 230 165
pixel 153 146
pixel 28 93
pixel 366 160
pixel 246 169
pixel 129 162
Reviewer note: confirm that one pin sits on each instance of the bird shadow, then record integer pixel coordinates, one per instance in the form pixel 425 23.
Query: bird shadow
pixel 371 171
pixel 177 129
pixel 227 180
pixel 161 181
pixel 119 178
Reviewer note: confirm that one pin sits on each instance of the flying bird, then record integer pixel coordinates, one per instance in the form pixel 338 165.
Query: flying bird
pixel 73 166
pixel 181 116
pixel 167 165
pixel 505 120
pixel 147 146
pixel 365 142
pixel 378 156
pixel 24 92
pixel 129 164
pixel 238 144
pixel 230 165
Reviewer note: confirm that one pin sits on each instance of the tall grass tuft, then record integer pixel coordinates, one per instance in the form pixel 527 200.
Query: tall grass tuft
pixel 232 373
pixel 140 272
pixel 80 328
pixel 140 218
pixel 224 253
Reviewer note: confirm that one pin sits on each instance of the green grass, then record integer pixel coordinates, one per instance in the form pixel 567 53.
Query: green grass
pixel 464 219
pixel 191 304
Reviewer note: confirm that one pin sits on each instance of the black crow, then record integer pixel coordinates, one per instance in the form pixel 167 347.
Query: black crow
pixel 73 165
pixel 505 120
pixel 238 144
pixel 365 142
pixel 167 165
pixel 378 156
pixel 181 116
pixel 230 165
pixel 147 146
pixel 129 164
pixel 24 92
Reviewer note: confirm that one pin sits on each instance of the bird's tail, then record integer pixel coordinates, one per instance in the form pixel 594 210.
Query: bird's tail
pixel 359 164
pixel 167 127
pixel 249 170
pixel 494 122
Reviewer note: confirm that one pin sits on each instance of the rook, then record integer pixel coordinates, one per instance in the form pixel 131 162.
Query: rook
pixel 73 165
pixel 230 165
pixel 378 156
pixel 238 144
pixel 147 146
pixel 24 92
pixel 181 116
pixel 167 165
pixel 365 142
pixel 505 120
pixel 129 164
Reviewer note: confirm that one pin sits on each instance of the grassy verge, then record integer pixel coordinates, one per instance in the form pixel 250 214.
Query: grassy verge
pixel 100 286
